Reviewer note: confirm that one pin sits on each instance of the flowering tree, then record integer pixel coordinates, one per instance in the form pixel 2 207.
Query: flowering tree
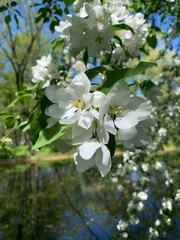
pixel 95 108
pixel 89 93
pixel 83 98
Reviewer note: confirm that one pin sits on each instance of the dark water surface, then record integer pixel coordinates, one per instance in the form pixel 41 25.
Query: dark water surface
pixel 52 201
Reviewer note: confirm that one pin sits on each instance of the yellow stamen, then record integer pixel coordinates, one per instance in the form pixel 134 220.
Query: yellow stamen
pixel 99 39
pixel 78 104
pixel 115 110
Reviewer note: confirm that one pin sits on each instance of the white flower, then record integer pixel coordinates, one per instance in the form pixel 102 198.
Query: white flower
pixel 93 153
pixel 74 32
pixel 122 225
pixel 162 132
pixel 128 115
pixel 92 32
pixel 79 66
pixel 71 104
pixel 157 222
pixel 167 204
pixel 145 167
pixel 140 206
pixel 44 71
pixel 97 16
pixel 177 196
pixel 98 41
pixel 142 195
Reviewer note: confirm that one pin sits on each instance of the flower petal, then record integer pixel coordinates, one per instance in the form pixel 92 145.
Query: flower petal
pixel 54 111
pixel 79 86
pixel 126 134
pixel 88 100
pixel 119 94
pixel 129 120
pixel 103 160
pixel 109 124
pixel 98 98
pixel 87 150
pixel 103 134
pixel 70 117
pixel 81 164
pixel 85 120
pixel 62 145
pixel 79 135
pixel 54 93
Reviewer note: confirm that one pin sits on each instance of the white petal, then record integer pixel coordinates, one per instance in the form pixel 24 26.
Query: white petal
pixel 109 124
pixel 126 134
pixel 95 113
pixel 62 145
pixel 103 156
pixel 135 102
pixel 51 122
pixel 106 154
pixel 54 111
pixel 146 123
pixel 128 145
pixel 85 120
pixel 53 93
pixel 71 118
pixel 98 98
pixel 88 100
pixel 141 139
pixel 79 86
pixel 81 164
pixel 129 120
pixel 87 150
pixel 103 134
pixel 120 93
pixel 80 135
pixel 104 109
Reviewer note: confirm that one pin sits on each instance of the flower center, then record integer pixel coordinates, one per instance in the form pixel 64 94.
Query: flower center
pixel 78 104
pixel 113 111
pixel 99 39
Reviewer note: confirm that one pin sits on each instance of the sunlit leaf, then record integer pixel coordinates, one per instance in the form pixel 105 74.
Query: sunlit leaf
pixel 37 122
pixel 49 135
pixel 116 75
pixel 122 26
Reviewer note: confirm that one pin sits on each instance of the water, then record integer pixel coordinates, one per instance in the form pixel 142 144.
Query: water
pixel 52 201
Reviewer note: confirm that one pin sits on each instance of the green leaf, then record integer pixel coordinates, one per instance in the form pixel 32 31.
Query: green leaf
pixel 122 26
pixel 68 2
pixel 7 19
pixel 85 56
pixel 3 8
pixel 92 73
pixel 10 122
pixel 13 4
pixel 112 144
pixel 20 98
pixel 116 39
pixel 119 74
pixel 146 85
pixel 16 19
pixel 49 135
pixel 37 122
pixel 152 41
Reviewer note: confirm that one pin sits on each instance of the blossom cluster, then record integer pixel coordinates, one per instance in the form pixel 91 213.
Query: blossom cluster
pixel 94 117
pixel 92 28
pixel 44 71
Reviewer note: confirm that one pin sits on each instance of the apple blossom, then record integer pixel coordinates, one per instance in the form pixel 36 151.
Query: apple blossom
pixel 127 115
pixel 44 71
pixel 93 153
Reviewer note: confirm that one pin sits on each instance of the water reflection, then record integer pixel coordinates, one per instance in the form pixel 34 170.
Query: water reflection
pixel 55 202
